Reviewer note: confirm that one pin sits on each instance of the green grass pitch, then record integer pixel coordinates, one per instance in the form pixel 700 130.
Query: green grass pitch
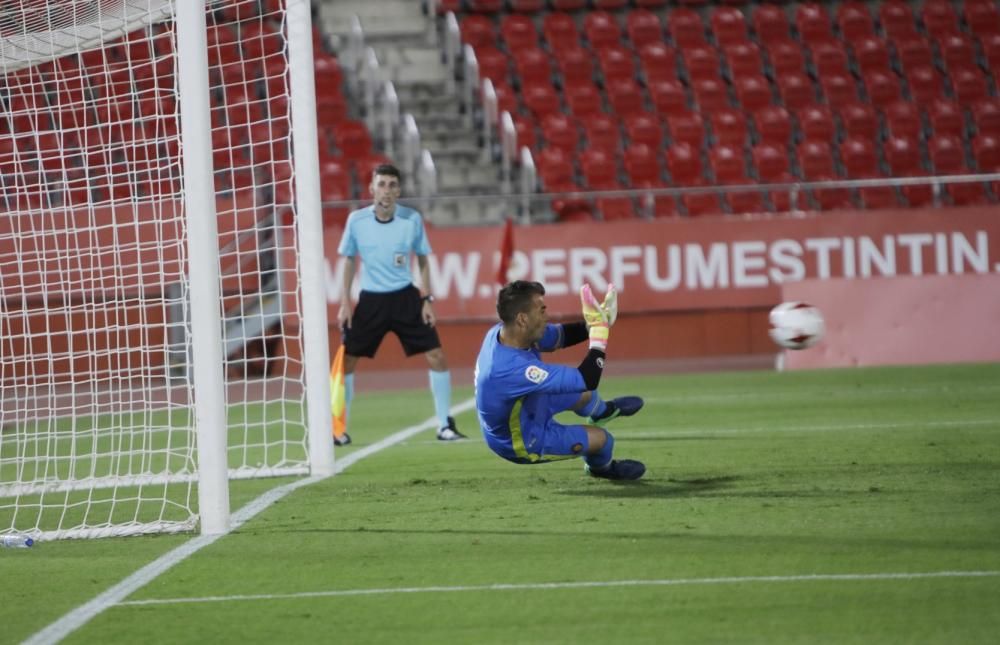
pixel 761 489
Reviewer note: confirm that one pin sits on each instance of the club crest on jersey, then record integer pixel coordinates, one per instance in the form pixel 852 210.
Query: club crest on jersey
pixel 535 374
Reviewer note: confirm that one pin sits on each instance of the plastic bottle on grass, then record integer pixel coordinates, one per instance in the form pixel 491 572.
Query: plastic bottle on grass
pixel 16 541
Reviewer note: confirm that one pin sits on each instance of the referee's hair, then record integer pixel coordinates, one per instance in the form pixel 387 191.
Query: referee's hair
pixel 516 297
pixel 387 169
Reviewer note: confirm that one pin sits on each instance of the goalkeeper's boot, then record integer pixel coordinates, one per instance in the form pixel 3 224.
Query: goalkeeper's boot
pixel 623 406
pixel 342 440
pixel 450 432
pixel 619 470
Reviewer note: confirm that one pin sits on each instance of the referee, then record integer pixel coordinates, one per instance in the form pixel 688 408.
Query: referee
pixel 384 235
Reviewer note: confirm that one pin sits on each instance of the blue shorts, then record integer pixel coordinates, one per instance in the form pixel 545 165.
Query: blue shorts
pixel 535 437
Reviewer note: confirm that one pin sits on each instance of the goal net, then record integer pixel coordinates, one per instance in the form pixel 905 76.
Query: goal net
pixel 97 425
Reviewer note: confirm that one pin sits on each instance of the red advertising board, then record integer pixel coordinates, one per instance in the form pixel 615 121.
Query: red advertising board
pixel 691 264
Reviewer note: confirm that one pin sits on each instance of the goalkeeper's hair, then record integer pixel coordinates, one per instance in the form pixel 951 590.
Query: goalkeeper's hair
pixel 516 298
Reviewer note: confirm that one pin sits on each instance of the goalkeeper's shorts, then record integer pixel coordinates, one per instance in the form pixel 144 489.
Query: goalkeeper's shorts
pixel 536 437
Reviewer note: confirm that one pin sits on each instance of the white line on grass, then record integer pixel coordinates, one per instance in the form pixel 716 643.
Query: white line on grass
pixel 669 582
pixel 75 619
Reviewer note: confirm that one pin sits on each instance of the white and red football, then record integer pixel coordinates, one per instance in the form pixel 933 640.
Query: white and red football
pixel 796 325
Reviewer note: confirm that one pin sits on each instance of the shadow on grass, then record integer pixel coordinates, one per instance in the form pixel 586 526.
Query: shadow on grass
pixel 653 487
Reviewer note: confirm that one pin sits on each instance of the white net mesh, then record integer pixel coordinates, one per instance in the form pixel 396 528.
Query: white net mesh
pixel 97 429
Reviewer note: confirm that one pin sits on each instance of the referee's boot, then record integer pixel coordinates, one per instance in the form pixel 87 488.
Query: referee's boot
pixel 619 470
pixel 623 406
pixel 450 432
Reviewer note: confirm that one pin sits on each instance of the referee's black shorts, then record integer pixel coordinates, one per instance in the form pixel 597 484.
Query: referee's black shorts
pixel 376 314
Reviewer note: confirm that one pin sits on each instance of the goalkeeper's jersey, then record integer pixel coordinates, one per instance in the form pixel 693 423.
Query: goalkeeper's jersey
pixel 512 384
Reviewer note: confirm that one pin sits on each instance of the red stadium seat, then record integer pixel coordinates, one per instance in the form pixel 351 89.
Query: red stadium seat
pixel 625 97
pixel 753 92
pixel 658 62
pixel 710 94
pixel 903 156
pixel 914 52
pixel 533 66
pixel 643 27
pixel 796 90
pixel 786 57
pixel 771 162
pixel 939 18
pixel 750 200
pixel 602 29
pixel 830 58
pixel 903 120
pixel 729 126
pixel 813 23
pixel 644 129
pixel 560 131
pixel 616 62
pixel 986 150
pixel 896 18
pixel 527 6
pixel 743 58
pixel 816 122
pixel 986 115
pixel 983 17
pixel 684 164
pixel 770 23
pixel 859 120
pixel 991 49
pixel 603 132
pixel 702 62
pixel 854 20
pixel 575 65
pixel 600 170
pixel 477 30
pixel 882 88
pixel 925 84
pixel 957 51
pixel 871 54
pixel 774 125
pixel 642 166
pixel 970 85
pixel 493 64
pixel 669 97
pixel 728 25
pixel 686 128
pixel 946 118
pixel 728 164
pixel 839 90
pixel 559 31
pixel 518 32
pixel 817 163
pixel 583 100
pixel 948 157
pixel 541 99
pixel 686 28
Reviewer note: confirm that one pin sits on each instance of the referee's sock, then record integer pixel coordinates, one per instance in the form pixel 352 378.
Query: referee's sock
pixel 348 395
pixel 441 390
pixel 595 408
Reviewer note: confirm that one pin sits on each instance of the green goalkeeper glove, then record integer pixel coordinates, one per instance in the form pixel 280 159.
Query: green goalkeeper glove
pixel 596 319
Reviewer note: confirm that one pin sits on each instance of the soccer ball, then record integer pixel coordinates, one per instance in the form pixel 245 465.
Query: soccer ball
pixel 796 325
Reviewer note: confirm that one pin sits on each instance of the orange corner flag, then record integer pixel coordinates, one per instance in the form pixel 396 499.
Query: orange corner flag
pixel 338 400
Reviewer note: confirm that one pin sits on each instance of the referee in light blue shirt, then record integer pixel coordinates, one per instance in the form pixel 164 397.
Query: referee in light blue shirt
pixel 384 235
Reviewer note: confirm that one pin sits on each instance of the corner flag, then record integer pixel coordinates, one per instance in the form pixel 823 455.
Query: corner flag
pixel 506 251
pixel 338 400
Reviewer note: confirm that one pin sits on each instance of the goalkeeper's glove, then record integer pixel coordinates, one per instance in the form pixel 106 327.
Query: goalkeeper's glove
pixel 597 320
pixel 610 305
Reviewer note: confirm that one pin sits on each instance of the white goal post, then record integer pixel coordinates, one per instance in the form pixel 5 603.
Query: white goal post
pixel 162 299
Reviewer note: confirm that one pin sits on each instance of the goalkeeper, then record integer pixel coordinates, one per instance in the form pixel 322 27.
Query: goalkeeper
pixel 517 394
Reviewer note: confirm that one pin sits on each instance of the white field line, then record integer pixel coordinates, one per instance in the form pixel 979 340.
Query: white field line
pixel 78 617
pixel 530 586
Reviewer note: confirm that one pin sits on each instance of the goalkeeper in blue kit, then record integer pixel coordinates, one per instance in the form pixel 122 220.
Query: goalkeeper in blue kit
pixel 518 394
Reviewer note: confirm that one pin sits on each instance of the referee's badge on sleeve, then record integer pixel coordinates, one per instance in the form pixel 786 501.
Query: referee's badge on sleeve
pixel 399 259
pixel 535 374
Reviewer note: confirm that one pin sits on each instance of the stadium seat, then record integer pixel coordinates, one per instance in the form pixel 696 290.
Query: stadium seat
pixel 728 25
pixel 559 131
pixel 684 164
pixel 559 31
pixel 642 166
pixel 527 6
pixel 644 129
pixel 643 27
pixel 603 132
pixel 946 118
pixel 710 94
pixel 771 162
pixel 948 157
pixel 896 18
pixel 914 52
pixel 830 59
pixel 626 97
pixel 774 125
pixel 743 58
pixel 493 64
pixel 583 100
pixel 753 92
pixel 533 66
pixel 903 157
pixel 668 96
pixel 924 83
pixel 701 62
pixel 541 99
pixel 854 20
pixel 518 32
pixel 939 18
pixel 786 57
pixel 813 23
pixel 686 128
pixel 986 151
pixel 882 88
pixel 770 23
pixel 902 119
pixel 983 18
pixel 970 85
pixel 575 65
pixel 816 122
pixel 477 30
pixel 859 120
pixel 839 90
pixel 957 51
pixel 600 170
pixel 871 55
pixel 729 127
pixel 601 29
pixel 796 90
pixel 686 28
pixel 658 61
pixel 986 115
pixel 615 62
pixel 728 164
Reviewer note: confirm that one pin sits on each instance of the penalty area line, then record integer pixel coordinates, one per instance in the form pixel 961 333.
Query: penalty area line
pixel 668 582
pixel 114 596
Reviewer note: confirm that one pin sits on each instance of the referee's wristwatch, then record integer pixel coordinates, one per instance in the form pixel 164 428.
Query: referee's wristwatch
pixel 428 298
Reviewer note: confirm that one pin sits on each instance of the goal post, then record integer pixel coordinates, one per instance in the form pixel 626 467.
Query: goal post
pixel 162 293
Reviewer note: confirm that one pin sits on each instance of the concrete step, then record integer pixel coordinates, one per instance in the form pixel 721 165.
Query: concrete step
pixel 465 180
